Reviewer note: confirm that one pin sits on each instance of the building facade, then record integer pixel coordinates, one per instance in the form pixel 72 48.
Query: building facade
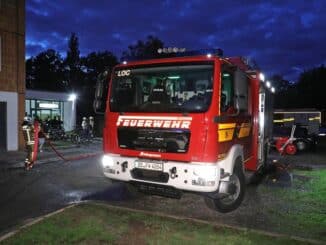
pixel 12 73
pixel 48 105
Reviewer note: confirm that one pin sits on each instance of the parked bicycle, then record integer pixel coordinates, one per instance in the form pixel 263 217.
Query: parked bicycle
pixel 54 129
pixel 81 136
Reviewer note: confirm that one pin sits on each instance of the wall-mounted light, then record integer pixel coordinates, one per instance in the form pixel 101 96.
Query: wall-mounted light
pixel 262 77
pixel 72 97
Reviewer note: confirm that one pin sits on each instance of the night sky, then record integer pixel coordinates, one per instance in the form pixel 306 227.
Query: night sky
pixel 284 36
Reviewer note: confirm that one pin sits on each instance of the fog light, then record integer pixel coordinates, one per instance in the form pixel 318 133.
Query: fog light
pixel 206 172
pixel 107 161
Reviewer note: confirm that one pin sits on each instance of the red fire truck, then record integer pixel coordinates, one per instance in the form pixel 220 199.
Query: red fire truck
pixel 186 123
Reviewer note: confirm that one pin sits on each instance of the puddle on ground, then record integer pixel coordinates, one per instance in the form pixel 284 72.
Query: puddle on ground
pixel 115 192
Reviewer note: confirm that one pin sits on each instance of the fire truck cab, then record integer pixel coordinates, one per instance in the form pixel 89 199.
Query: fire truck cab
pixel 190 123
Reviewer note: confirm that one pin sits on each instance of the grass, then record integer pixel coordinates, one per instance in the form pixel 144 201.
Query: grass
pixel 302 208
pixel 97 223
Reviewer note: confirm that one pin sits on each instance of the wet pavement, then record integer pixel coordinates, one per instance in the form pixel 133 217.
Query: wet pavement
pixel 50 185
pixel 55 184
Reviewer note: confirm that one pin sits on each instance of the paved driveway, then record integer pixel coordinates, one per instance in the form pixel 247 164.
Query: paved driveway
pixel 28 194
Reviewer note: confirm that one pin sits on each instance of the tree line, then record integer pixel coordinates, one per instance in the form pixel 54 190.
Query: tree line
pixel 48 70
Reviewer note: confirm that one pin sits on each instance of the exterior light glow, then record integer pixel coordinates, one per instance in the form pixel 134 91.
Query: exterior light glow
pixel 72 97
pixel 124 62
pixel 170 50
pixel 268 84
pixel 174 77
pixel 107 161
pixel 273 90
pixel 209 55
pixel 262 77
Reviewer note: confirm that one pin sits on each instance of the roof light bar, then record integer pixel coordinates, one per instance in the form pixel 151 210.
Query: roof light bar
pixel 182 52
pixel 171 50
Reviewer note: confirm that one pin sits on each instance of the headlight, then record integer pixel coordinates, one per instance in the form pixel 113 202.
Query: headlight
pixel 205 172
pixel 107 161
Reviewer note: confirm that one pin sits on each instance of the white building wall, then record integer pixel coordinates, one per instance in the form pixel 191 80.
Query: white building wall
pixel 69 115
pixel 12 119
pixel 69 107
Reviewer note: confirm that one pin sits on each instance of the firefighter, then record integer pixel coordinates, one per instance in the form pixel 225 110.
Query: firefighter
pixel 41 137
pixel 84 123
pixel 85 128
pixel 91 125
pixel 30 133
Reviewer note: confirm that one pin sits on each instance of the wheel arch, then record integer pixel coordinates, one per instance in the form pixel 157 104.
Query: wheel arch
pixel 235 153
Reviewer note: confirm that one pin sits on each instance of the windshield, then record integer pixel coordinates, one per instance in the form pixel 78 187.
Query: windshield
pixel 177 88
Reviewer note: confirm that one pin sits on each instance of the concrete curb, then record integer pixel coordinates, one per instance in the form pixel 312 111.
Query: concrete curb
pixel 29 223
pixel 181 218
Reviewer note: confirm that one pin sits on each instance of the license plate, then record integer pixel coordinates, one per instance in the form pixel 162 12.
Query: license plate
pixel 156 166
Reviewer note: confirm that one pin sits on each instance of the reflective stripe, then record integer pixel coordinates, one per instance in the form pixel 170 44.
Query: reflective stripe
pixel 225 131
pixel 244 130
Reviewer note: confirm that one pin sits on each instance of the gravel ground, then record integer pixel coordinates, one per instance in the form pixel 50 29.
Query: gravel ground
pixel 259 206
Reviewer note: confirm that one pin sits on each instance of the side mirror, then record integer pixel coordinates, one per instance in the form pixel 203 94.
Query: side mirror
pixel 240 91
pixel 101 92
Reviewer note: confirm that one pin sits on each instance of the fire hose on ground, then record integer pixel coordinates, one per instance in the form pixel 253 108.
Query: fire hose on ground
pixel 75 158
pixel 31 135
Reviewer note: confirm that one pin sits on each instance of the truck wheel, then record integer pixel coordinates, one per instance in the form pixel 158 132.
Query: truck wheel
pixel 230 202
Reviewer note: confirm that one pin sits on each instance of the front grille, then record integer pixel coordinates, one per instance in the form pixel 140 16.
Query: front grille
pixel 150 175
pixel 160 190
pixel 157 140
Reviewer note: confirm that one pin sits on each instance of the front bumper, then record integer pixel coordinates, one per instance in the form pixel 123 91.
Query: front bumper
pixel 192 176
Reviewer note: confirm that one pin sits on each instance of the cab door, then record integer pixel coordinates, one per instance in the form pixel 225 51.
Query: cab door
pixel 236 111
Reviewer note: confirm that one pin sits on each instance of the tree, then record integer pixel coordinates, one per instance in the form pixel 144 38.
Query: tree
pixel 311 88
pixel 92 65
pixel 95 63
pixel 308 92
pixel 280 83
pixel 143 49
pixel 46 71
pixel 72 62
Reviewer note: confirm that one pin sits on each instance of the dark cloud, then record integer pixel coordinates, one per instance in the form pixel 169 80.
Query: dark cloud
pixel 284 37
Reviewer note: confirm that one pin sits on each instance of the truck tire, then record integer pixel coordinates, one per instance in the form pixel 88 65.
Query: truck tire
pixel 259 175
pixel 230 202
